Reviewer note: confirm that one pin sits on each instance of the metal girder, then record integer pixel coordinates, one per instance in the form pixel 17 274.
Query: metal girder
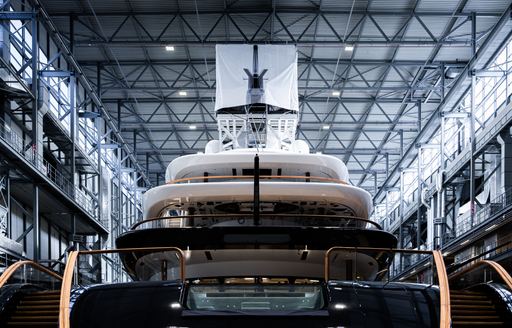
pixel 301 61
pixel 304 10
pixel 361 151
pixel 308 99
pixel 257 32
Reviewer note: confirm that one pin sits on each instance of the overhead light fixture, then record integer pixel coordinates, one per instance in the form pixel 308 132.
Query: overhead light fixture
pixel 491 227
pixel 192 127
pixel 465 242
pixel 326 127
pixel 182 93
pixel 336 93
pixel 349 47
pixel 169 48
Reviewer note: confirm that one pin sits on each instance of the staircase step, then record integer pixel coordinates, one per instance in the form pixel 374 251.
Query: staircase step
pixel 471 297
pixel 45 292
pixel 472 312
pixel 28 324
pixel 38 312
pixel 44 318
pixel 36 307
pixel 39 302
pixel 474 307
pixel 478 323
pixel 41 297
pixel 465 292
pixel 473 302
pixel 475 317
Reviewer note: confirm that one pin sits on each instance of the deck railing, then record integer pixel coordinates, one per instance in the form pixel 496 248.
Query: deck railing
pixel 319 220
pixel 221 178
pixel 29 271
pixel 504 275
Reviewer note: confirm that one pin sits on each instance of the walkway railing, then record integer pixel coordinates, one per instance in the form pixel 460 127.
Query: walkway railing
pixel 71 273
pixel 39 163
pixel 30 272
pixel 319 220
pixel 444 289
pixel 296 178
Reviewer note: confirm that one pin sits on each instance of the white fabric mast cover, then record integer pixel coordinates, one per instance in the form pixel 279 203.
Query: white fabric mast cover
pixel 235 62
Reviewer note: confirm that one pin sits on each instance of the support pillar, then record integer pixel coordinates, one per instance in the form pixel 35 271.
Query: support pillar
pixel 505 141
pixel 36 223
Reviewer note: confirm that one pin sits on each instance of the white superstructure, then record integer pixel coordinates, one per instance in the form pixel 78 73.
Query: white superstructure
pixel 254 189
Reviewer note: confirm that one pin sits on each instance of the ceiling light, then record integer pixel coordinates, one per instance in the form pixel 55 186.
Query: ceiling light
pixel 182 93
pixel 169 48
pixel 349 47
pixel 336 93
pixel 192 127
pixel 326 127
pixel 491 227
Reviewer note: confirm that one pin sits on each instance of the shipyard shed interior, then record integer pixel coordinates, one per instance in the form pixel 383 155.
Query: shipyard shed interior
pixel 98 97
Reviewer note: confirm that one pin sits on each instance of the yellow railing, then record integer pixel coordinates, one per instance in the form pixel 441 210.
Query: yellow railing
pixel 505 276
pixel 9 272
pixel 67 281
pixel 262 177
pixel 444 288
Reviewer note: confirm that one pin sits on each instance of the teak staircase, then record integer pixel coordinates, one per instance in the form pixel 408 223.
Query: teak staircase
pixel 37 309
pixel 474 309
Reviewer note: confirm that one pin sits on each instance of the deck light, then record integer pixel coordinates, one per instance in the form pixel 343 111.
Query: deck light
pixel 326 127
pixel 349 47
pixel 192 127
pixel 182 93
pixel 336 93
pixel 169 48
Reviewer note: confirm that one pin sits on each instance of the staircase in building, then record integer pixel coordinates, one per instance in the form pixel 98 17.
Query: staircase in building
pixel 474 309
pixel 37 309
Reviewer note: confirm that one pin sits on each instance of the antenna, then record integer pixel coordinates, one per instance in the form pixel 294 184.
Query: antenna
pixel 256 203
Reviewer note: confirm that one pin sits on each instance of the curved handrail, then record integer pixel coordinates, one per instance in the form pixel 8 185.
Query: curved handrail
pixel 14 267
pixel 444 288
pixel 137 224
pixel 262 177
pixel 67 281
pixel 494 265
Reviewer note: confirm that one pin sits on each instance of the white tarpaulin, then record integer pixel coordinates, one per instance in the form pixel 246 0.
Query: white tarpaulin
pixel 274 76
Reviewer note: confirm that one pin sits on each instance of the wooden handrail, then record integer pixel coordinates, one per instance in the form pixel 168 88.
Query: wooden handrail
pixel 494 265
pixel 65 290
pixel 444 291
pixel 444 288
pixel 67 281
pixel 250 177
pixel 135 225
pixel 14 267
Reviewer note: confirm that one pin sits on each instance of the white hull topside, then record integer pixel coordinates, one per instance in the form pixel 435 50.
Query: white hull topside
pixel 280 163
pixel 158 198
pixel 290 163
